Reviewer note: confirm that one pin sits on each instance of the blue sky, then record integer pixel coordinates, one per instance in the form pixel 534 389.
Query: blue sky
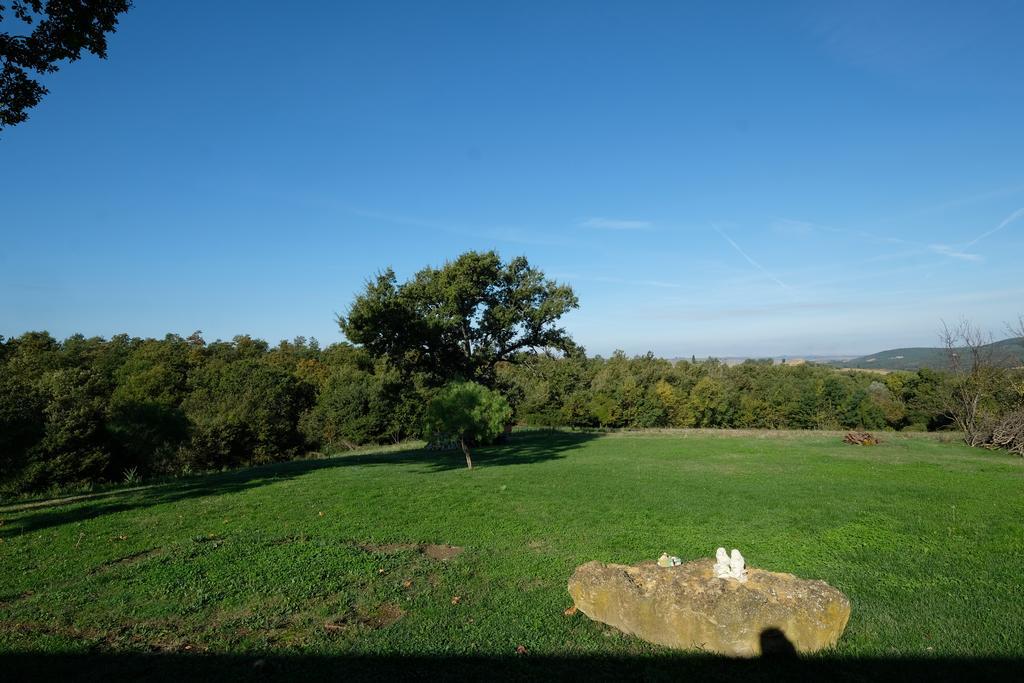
pixel 715 178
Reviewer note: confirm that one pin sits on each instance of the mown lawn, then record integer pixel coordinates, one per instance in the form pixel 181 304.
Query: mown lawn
pixel 319 566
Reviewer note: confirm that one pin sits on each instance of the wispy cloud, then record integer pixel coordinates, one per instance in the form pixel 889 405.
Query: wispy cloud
pixel 953 252
pixel 895 256
pixel 728 312
pixel 966 201
pixel 1006 221
pixel 660 284
pixel 400 219
pixel 787 227
pixel 512 235
pixel 615 224
pixel 1008 293
pixel 795 228
pixel 749 260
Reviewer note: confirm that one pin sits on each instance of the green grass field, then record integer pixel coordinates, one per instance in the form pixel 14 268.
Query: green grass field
pixel 318 566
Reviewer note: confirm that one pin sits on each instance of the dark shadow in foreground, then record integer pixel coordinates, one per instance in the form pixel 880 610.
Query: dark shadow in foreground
pixel 526 667
pixel 521 449
pixel 774 643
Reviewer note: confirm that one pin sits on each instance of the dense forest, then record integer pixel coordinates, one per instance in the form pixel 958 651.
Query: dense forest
pixel 477 337
pixel 92 410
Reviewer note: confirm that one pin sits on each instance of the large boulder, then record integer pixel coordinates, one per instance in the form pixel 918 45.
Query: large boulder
pixel 687 606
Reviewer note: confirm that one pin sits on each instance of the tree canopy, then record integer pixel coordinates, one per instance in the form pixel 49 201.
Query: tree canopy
pixel 87 410
pixel 61 29
pixel 468 411
pixel 461 320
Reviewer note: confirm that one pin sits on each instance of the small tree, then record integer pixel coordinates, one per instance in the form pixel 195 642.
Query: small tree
pixel 470 412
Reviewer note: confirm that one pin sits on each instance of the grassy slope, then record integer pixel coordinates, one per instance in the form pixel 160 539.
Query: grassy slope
pixel 924 537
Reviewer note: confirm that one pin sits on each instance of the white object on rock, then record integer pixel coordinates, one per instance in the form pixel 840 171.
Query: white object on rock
pixel 730 567
pixel 667 560
pixel 721 563
pixel 737 567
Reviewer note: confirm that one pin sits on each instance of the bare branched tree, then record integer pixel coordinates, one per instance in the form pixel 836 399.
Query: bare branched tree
pixel 974 378
pixel 1016 330
pixel 1009 430
pixel 986 392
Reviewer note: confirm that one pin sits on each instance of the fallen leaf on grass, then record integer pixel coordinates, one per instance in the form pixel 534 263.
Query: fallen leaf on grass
pixel 407 584
pixel 456 599
pixel 571 612
pixel 521 650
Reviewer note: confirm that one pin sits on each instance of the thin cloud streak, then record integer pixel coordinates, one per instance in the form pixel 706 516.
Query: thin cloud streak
pixel 793 227
pixel 511 235
pixel 1006 221
pixel 966 201
pixel 744 312
pixel 751 261
pixel 615 224
pixel 953 252
pixel 661 284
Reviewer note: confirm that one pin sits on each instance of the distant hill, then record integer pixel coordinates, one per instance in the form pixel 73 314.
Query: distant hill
pixel 775 360
pixel 1007 351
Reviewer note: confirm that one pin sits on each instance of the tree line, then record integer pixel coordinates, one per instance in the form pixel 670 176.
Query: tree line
pixel 453 352
pixel 646 391
pixel 90 409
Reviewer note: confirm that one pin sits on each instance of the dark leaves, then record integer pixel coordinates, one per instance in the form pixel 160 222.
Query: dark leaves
pixel 61 30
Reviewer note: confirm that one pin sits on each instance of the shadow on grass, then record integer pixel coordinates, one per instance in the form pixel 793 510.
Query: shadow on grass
pixel 526 667
pixel 521 449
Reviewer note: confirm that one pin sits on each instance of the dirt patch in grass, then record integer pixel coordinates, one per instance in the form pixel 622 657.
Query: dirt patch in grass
pixel 285 540
pixel 10 599
pixel 382 616
pixel 134 558
pixel 133 636
pixel 441 552
pixel 387 548
pixel 208 538
pixel 533 584
pixel 34 628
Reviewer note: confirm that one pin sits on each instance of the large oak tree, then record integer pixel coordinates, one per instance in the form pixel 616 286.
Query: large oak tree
pixel 58 30
pixel 461 320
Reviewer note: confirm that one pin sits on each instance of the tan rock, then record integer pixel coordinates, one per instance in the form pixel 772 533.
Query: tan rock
pixel 688 607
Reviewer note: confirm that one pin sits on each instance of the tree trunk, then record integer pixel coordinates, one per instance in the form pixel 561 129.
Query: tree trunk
pixel 465 449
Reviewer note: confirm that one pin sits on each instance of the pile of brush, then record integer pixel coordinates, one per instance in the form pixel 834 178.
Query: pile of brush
pixel 861 439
